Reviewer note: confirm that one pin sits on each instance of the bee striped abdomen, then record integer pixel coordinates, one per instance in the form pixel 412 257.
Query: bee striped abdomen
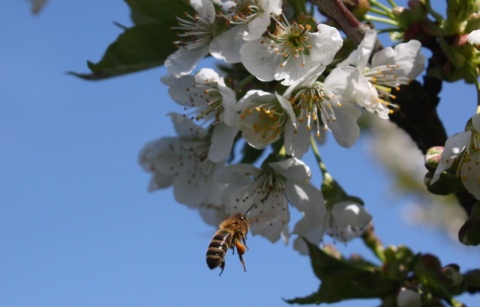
pixel 231 231
pixel 221 242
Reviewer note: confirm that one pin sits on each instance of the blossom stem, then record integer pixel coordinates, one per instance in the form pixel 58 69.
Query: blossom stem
pixel 380 19
pixel 392 3
pixel 246 81
pixel 371 241
pixel 437 16
pixel 321 165
pixel 380 12
pixel 386 30
pixel 381 6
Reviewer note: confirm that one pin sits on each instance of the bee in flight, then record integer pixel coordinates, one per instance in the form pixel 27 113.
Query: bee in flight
pixel 230 234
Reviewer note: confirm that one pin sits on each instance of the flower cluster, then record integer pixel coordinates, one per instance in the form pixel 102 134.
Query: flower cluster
pixel 294 95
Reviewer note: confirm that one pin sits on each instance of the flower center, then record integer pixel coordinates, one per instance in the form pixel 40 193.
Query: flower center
pixel 384 78
pixel 245 11
pixel 207 103
pixel 197 32
pixel 471 149
pixel 290 41
pixel 267 119
pixel 309 102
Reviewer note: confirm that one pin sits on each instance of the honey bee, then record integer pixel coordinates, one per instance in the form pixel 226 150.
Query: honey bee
pixel 229 234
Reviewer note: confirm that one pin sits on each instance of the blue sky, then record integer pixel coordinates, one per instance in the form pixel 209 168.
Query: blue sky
pixel 77 225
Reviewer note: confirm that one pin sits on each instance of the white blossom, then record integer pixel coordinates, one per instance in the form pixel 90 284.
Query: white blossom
pixel 211 101
pixel 249 20
pixel 317 108
pixel 182 162
pixel 290 51
pixel 463 147
pixel 370 86
pixel 268 191
pixel 263 117
pixel 347 220
pixel 197 32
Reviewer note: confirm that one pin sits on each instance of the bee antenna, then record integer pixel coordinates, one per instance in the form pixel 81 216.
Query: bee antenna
pixel 250 209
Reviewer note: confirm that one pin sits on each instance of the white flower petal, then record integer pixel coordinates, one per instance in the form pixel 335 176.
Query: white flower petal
pixel 325 44
pixel 347 220
pixel 183 60
pixel 292 168
pixel 345 128
pixel 470 173
pixel 236 172
pixel 259 61
pixel 476 121
pixel 365 49
pixel 204 8
pixel 454 146
pixel 474 37
pixel 407 56
pixel 226 46
pixel 206 75
pixel 297 141
pixel 270 218
pixel 185 127
pixel 222 142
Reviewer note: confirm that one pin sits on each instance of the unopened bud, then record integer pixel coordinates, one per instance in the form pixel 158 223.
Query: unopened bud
pixel 358 7
pixel 469 233
pixel 408 298
pixel 432 157
pixel 451 275
pixel 398 10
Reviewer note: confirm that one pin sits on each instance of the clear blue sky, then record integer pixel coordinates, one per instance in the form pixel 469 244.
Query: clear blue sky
pixel 77 226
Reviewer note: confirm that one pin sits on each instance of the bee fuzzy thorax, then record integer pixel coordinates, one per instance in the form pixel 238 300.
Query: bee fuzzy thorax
pixel 232 233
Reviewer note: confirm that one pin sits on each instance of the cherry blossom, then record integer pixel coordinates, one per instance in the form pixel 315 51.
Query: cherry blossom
pixel 464 148
pixel 370 86
pixel 290 51
pixel 267 191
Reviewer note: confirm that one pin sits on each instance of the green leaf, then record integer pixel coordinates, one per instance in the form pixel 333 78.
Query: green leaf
pixel 344 280
pixel 145 45
pixel 160 10
pixel 141 47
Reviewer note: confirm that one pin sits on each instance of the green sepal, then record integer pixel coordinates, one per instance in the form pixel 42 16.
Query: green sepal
pixel 447 184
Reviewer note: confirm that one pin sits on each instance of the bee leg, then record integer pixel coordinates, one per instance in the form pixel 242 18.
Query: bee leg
pixel 222 266
pixel 244 242
pixel 241 250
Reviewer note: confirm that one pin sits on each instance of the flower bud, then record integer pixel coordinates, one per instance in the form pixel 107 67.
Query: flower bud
pixel 408 298
pixel 469 233
pixel 432 157
pixel 451 275
pixel 358 7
